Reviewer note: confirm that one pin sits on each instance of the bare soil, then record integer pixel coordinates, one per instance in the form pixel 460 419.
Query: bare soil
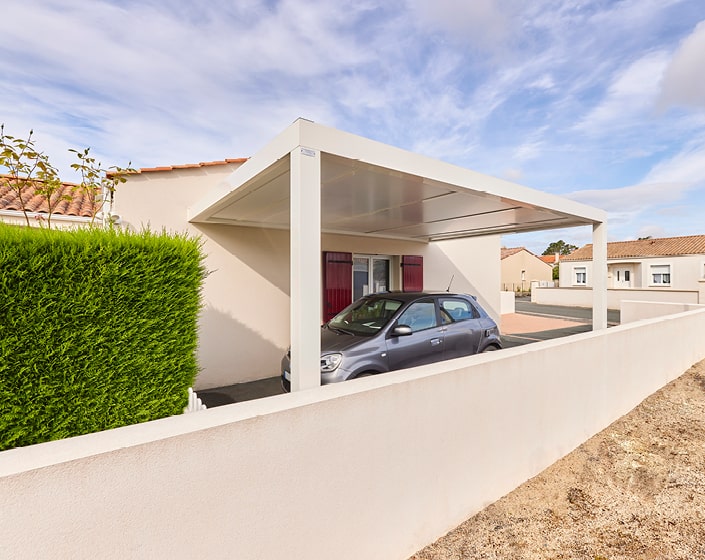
pixel 634 491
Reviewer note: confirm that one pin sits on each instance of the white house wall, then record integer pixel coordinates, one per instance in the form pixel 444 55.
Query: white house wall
pixel 685 271
pixel 244 326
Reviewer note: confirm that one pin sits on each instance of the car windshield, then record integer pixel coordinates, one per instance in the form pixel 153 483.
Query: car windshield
pixel 365 317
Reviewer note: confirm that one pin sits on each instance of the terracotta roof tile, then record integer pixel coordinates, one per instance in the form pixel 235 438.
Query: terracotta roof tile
pixel 508 252
pixel 662 247
pixel 551 259
pixel 191 165
pixel 75 203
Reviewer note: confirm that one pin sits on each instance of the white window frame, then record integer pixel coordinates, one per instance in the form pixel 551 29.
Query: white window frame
pixel 660 272
pixel 579 270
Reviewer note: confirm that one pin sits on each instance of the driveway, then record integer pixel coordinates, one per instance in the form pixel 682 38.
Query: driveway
pixel 531 323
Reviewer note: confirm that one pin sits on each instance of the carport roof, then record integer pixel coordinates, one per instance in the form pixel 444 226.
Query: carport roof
pixel 372 189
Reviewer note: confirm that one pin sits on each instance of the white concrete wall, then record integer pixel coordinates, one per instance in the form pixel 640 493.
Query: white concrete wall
pixel 508 302
pixel 582 297
pixel 244 326
pixel 374 468
pixel 632 311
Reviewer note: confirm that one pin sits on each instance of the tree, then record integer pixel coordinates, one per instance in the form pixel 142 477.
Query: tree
pixel 28 167
pixel 560 247
pixel 97 183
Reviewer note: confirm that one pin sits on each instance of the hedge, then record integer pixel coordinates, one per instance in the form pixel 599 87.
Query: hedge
pixel 98 329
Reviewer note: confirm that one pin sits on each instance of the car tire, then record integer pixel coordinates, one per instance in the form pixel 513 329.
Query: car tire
pixel 490 348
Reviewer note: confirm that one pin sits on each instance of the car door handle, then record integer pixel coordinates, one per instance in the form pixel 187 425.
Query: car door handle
pixel 435 341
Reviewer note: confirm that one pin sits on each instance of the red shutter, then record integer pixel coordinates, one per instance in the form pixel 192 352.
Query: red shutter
pixel 337 283
pixel 412 273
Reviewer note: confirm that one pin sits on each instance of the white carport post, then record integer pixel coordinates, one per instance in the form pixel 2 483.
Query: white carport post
pixel 305 276
pixel 599 276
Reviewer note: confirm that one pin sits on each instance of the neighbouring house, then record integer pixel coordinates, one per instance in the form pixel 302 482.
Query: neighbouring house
pixel 71 205
pixel 520 267
pixel 320 217
pixel 669 263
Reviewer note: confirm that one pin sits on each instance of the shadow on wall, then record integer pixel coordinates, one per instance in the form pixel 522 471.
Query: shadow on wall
pixel 230 352
pixel 263 250
pixel 449 277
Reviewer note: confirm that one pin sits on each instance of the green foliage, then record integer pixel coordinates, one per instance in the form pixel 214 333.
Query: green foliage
pixel 97 183
pixel 97 330
pixel 25 164
pixel 560 247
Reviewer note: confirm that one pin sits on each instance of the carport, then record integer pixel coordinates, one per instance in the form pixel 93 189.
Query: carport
pixel 313 179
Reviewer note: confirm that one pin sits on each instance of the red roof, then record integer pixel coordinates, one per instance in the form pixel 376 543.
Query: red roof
pixel 663 247
pixel 191 165
pixel 70 200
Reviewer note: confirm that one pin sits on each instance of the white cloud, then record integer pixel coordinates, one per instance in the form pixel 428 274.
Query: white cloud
pixel 630 95
pixel 485 24
pixel 684 78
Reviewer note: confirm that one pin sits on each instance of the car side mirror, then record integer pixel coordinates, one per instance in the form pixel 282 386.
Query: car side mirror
pixel 401 330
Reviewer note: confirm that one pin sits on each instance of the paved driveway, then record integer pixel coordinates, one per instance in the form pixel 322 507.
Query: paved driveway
pixel 531 323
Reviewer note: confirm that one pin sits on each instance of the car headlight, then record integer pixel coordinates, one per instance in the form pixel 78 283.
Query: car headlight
pixel 330 362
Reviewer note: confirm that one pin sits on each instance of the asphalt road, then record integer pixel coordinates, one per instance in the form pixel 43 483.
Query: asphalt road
pixel 524 305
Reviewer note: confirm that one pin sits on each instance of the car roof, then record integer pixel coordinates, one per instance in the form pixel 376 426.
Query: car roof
pixel 410 296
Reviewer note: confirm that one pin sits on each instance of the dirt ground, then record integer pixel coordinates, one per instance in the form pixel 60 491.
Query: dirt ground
pixel 634 491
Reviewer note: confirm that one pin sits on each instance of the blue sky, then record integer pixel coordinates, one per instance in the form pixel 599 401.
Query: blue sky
pixel 600 101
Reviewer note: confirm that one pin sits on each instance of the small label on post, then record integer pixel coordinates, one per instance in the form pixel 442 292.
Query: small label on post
pixel 308 152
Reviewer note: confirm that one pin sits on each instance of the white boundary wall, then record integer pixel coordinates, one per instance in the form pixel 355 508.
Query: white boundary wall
pixel 637 310
pixel 582 297
pixel 374 468
pixel 507 303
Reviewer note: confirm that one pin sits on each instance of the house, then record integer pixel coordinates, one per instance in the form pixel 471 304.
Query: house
pixel 320 217
pixel 71 205
pixel 665 264
pixel 520 267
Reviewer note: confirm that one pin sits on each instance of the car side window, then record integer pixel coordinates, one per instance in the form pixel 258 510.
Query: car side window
pixel 457 309
pixel 419 315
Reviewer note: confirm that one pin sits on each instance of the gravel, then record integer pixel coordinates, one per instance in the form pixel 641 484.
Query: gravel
pixel 634 491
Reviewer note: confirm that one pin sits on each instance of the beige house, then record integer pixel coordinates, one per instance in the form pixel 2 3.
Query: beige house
pixel 320 217
pixel 520 267
pixel 665 264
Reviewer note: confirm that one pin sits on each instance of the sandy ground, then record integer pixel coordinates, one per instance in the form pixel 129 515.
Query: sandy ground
pixel 634 491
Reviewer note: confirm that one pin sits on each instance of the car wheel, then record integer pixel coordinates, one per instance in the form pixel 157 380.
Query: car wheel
pixel 490 348
pixel 364 374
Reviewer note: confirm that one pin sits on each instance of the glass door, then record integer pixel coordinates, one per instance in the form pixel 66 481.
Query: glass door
pixel 371 274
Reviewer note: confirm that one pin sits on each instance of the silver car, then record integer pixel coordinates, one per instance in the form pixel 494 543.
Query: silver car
pixel 389 331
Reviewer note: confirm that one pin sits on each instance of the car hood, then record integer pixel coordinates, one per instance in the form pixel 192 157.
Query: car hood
pixel 336 341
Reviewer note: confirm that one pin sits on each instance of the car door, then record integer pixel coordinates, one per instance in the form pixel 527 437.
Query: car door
pixel 425 343
pixel 463 327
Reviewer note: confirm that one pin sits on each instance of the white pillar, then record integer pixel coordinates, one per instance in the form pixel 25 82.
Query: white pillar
pixel 599 276
pixel 305 279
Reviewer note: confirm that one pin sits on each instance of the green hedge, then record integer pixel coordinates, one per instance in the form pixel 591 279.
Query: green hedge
pixel 98 329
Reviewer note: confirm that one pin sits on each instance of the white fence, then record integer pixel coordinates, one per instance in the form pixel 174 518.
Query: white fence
pixel 374 468
pixel 582 297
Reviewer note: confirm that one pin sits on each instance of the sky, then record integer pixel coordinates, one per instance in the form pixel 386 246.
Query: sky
pixel 602 102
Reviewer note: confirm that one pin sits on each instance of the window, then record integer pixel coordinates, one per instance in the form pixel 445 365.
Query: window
pixel 626 276
pixel 661 274
pixel 453 310
pixel 419 315
pixel 580 274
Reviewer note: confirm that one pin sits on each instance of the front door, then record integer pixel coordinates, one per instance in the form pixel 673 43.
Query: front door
pixel 622 277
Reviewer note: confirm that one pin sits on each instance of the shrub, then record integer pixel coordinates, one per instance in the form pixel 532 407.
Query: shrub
pixel 98 329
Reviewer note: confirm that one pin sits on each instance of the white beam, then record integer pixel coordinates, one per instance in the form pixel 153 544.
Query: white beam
pixel 305 268
pixel 599 276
